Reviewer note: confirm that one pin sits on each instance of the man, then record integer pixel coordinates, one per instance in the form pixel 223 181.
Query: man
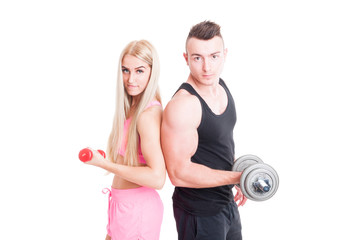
pixel 198 146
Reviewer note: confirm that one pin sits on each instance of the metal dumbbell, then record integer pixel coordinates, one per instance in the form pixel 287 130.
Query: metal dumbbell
pixel 259 181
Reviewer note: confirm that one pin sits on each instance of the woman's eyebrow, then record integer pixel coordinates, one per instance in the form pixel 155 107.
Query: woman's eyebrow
pixel 134 68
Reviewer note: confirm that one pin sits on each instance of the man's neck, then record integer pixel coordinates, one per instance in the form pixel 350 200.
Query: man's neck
pixel 211 90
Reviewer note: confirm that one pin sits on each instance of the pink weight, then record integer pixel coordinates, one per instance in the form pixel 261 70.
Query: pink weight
pixel 101 152
pixel 86 154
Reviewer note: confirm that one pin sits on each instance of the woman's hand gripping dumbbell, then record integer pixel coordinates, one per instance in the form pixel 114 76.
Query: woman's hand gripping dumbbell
pixel 87 154
pixel 259 181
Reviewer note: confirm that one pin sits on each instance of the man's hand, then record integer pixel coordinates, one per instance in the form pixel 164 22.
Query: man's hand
pixel 239 197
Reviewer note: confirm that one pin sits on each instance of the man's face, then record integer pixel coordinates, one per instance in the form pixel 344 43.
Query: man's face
pixel 205 59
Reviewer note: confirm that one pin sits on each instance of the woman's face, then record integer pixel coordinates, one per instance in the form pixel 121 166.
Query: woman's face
pixel 136 74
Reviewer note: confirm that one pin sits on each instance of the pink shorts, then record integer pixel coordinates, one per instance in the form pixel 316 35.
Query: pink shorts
pixel 134 214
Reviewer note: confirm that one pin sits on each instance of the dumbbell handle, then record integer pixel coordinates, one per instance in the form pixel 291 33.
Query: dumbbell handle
pixel 86 154
pixel 262 184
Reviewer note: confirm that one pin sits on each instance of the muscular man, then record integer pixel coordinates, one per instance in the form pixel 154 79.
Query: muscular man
pixel 198 146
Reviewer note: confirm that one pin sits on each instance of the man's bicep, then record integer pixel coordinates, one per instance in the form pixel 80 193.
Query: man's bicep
pixel 179 137
pixel 178 145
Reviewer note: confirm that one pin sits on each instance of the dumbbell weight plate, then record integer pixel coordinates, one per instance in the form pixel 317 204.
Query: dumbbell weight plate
pixel 85 155
pixel 252 174
pixel 245 161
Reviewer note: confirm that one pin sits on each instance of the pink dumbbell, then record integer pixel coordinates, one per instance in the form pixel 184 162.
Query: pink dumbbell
pixel 86 154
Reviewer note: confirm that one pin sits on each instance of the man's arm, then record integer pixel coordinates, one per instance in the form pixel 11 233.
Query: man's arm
pixel 179 139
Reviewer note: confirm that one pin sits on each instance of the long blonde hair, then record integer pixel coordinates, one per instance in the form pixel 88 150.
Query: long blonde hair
pixel 144 51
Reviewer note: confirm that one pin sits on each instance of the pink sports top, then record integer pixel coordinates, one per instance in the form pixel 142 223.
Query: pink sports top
pixel 125 134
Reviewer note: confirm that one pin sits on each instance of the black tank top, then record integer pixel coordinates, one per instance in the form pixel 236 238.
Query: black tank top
pixel 215 150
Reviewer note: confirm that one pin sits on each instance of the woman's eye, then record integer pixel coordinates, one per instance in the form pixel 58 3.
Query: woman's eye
pixel 124 70
pixel 140 71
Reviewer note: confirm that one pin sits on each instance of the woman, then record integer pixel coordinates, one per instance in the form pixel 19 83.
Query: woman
pixel 136 160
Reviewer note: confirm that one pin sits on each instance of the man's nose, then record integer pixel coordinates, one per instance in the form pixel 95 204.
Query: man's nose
pixel 206 65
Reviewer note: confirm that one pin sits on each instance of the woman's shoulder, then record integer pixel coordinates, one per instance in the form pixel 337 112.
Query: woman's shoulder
pixel 152 112
pixel 152 103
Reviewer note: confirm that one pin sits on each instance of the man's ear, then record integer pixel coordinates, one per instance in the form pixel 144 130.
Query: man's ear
pixel 185 55
pixel 225 51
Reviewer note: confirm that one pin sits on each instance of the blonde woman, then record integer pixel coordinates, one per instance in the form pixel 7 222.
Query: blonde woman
pixel 136 160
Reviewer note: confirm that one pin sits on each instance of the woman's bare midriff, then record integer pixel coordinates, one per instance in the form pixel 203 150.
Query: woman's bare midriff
pixel 120 183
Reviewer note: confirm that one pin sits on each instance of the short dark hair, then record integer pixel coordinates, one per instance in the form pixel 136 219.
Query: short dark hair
pixel 205 30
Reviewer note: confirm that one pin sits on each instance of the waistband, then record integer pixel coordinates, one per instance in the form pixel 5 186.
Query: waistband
pixel 132 194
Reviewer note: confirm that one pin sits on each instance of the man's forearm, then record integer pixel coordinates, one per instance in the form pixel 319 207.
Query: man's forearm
pixel 199 176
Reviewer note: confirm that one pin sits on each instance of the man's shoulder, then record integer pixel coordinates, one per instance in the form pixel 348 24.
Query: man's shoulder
pixel 183 107
pixel 182 99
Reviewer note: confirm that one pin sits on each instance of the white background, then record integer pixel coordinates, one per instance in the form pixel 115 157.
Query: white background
pixel 294 71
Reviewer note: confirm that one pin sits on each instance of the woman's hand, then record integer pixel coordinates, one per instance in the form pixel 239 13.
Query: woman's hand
pixel 97 159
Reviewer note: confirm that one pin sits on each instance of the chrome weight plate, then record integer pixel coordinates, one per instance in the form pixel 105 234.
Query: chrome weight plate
pixel 259 182
pixel 244 162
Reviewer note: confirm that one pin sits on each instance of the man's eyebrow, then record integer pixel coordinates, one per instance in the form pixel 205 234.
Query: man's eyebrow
pixel 197 54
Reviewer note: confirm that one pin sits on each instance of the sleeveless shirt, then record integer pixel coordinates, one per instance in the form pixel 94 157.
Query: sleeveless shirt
pixel 215 150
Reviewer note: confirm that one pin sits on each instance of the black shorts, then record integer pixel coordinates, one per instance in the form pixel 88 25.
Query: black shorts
pixel 226 225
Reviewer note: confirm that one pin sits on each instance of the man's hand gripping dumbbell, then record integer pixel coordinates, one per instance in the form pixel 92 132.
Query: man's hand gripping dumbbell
pixel 259 181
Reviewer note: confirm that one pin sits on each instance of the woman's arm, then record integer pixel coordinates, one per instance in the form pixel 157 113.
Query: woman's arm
pixel 153 174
